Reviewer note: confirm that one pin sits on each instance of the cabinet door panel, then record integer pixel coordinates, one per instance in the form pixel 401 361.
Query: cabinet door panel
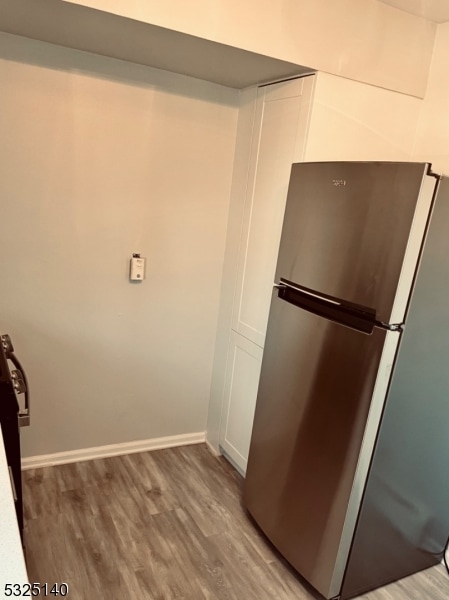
pixel 279 123
pixel 242 380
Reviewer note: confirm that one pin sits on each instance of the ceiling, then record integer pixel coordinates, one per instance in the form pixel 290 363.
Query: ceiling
pixel 433 10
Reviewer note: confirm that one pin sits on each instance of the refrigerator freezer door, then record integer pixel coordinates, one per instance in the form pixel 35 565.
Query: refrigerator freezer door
pixel 320 398
pixel 354 231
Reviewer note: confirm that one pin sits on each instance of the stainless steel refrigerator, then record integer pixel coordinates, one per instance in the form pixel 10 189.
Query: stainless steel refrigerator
pixel 348 470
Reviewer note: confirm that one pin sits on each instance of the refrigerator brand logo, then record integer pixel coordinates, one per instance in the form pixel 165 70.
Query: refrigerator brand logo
pixel 339 182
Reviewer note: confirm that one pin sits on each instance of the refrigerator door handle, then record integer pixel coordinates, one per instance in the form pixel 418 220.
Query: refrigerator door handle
pixel 284 285
pixel 336 303
pixel 345 313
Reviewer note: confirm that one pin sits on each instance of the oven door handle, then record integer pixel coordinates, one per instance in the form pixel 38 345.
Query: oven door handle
pixel 13 485
pixel 20 383
pixel 24 416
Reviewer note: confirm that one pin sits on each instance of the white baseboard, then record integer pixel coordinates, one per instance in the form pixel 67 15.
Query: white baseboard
pixel 61 458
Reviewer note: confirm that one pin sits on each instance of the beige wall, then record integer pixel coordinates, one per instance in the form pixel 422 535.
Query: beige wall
pixel 356 121
pixel 99 159
pixel 364 40
pixel 432 140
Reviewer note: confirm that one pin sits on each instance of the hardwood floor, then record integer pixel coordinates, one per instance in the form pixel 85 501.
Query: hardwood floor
pixel 164 525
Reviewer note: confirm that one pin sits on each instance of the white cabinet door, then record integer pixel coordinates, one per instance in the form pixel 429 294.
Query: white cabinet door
pixel 242 380
pixel 278 140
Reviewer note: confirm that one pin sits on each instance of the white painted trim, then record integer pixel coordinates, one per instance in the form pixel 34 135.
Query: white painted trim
pixel 229 456
pixel 72 456
pixel 212 449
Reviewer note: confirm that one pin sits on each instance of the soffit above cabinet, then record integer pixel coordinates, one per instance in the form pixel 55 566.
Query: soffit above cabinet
pixel 103 33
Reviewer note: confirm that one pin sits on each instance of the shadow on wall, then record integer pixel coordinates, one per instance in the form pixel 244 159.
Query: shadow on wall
pixel 48 56
pixel 102 158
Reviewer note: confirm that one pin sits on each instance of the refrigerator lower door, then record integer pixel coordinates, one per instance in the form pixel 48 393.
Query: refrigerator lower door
pixel 404 519
pixel 319 404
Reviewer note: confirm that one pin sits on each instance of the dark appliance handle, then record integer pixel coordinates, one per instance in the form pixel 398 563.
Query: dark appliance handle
pixel 18 380
pixel 352 315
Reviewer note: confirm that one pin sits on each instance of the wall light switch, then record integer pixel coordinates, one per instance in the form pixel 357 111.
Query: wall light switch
pixel 137 268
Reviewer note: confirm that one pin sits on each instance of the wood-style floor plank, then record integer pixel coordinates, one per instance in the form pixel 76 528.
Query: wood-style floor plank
pixel 164 525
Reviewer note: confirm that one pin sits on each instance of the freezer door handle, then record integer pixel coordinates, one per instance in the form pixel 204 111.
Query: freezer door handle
pixel 284 285
pixel 357 317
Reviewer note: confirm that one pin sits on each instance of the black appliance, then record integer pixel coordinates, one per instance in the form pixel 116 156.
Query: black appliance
pixel 12 382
